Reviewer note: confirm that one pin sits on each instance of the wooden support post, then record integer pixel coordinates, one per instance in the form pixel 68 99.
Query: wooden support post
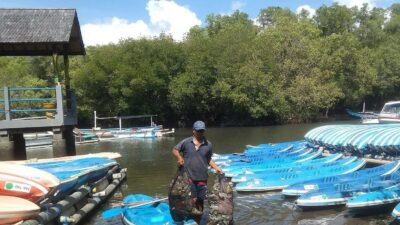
pixel 12 147
pixel 70 140
pixel 6 147
pixel 55 68
pixel 19 146
pixel 63 142
pixel 67 82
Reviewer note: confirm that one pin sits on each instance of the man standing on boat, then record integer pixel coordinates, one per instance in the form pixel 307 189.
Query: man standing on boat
pixel 197 152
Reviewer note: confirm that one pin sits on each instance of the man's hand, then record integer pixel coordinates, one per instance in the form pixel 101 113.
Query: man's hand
pixel 218 170
pixel 181 161
pixel 215 167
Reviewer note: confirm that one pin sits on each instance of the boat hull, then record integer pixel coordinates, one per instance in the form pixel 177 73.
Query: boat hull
pixel 13 209
pixel 22 188
pixel 42 177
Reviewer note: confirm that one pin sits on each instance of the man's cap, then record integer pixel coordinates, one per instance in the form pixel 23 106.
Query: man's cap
pixel 199 125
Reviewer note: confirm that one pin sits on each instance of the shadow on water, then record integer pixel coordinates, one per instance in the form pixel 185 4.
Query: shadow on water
pixel 151 166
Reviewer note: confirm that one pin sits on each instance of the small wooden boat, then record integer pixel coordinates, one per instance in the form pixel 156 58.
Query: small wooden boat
pixel 13 209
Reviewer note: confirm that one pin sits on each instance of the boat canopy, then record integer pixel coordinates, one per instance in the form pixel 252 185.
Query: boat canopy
pixel 391 108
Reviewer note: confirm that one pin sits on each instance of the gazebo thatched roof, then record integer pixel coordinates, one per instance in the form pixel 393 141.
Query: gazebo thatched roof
pixel 34 32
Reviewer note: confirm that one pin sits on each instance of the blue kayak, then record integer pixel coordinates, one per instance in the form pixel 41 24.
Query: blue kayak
pixel 75 173
pixel 299 169
pixel 282 181
pixel 258 151
pixel 260 155
pixel 275 146
pixel 251 169
pixel 300 151
pixel 340 193
pixel 151 214
pixel 315 184
pixel 282 160
pixel 375 199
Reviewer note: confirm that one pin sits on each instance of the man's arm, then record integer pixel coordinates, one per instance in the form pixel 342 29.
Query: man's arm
pixel 178 157
pixel 215 167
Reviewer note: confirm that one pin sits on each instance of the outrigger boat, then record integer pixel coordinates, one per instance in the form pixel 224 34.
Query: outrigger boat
pixel 151 131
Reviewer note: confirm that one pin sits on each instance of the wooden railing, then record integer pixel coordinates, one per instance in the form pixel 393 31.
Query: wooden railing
pixel 32 105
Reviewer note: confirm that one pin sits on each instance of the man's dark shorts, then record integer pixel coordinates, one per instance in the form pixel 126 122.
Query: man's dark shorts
pixel 199 191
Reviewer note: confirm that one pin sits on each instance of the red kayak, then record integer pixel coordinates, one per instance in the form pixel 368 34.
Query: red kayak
pixel 42 177
pixel 22 187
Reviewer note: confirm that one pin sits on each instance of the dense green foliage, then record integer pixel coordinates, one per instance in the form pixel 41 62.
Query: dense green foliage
pixel 283 68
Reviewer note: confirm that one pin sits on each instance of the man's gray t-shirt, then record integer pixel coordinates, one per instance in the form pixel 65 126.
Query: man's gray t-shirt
pixel 196 161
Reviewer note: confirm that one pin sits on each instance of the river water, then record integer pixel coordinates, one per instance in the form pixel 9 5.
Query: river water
pixel 151 166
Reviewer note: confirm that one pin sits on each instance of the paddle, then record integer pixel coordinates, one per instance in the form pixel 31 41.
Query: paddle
pixel 120 208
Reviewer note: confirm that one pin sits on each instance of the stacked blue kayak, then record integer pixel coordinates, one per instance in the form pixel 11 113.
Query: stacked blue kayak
pixel 383 138
pixel 261 152
pixel 237 173
pixel 280 181
pixel 266 156
pixel 299 169
pixel 75 173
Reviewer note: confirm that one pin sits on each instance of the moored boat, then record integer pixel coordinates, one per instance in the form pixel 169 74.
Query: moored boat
pixel 390 113
pixel 375 200
pixel 282 181
pixel 340 193
pixel 299 169
pixel 263 167
pixel 300 188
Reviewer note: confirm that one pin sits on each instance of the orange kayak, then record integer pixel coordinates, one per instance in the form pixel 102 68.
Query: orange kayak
pixel 39 176
pixel 13 209
pixel 22 187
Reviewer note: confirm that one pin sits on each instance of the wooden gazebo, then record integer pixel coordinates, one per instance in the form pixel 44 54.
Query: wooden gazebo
pixel 40 32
